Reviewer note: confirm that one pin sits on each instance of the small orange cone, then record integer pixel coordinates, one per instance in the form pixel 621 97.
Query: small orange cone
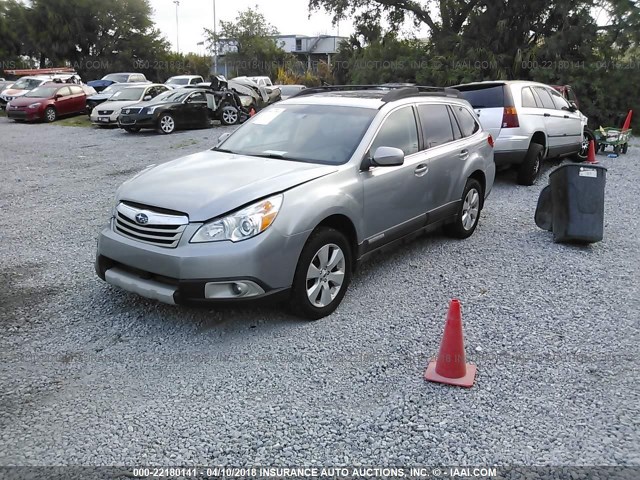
pixel 627 121
pixel 591 155
pixel 451 367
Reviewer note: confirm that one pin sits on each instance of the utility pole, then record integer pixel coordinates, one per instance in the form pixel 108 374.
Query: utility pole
pixel 177 2
pixel 215 41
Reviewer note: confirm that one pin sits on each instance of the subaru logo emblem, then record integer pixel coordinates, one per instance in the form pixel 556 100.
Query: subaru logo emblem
pixel 141 218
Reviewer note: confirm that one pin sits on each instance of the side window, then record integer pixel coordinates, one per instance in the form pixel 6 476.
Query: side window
pixel 545 97
pixel 65 92
pixel 559 101
pixel 457 133
pixel 468 124
pixel 528 100
pixel 436 125
pixel 76 90
pixel 399 130
pixel 572 96
pixel 197 97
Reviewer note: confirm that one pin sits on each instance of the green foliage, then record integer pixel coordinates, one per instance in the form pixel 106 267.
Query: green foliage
pixel 251 38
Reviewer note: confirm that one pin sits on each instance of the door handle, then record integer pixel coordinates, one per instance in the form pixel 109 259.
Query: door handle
pixel 421 170
pixel 464 154
pixel 547 114
pixel 566 116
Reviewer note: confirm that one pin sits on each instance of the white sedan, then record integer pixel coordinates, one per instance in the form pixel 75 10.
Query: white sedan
pixel 107 112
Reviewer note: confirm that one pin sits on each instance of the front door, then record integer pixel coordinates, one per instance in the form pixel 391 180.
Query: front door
pixel 394 196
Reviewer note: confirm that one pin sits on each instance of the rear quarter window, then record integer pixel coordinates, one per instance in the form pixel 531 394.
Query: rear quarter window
pixel 467 122
pixel 436 125
pixel 528 100
pixel 484 96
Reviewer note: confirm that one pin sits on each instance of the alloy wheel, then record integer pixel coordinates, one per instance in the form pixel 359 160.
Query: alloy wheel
pixel 230 116
pixel 51 115
pixel 325 275
pixel 470 209
pixel 167 124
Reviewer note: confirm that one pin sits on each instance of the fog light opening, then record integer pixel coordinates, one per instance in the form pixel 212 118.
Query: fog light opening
pixel 229 290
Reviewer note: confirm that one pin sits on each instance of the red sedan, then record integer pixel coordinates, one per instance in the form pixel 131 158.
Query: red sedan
pixel 48 102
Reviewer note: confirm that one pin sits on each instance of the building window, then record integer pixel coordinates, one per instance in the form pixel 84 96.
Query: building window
pixel 298 44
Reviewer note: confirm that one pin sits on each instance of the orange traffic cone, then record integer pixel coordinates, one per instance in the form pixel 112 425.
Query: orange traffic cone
pixel 591 155
pixel 627 121
pixel 451 367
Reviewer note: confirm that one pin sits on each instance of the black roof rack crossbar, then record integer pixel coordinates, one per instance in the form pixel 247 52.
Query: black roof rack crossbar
pixel 395 92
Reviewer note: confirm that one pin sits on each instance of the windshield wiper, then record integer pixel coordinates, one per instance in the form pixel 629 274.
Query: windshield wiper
pixel 223 150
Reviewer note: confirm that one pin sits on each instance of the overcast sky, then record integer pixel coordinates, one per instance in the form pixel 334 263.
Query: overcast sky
pixel 288 16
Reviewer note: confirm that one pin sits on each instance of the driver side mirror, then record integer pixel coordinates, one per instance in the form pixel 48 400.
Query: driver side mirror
pixel 57 96
pixel 147 98
pixel 573 107
pixel 387 157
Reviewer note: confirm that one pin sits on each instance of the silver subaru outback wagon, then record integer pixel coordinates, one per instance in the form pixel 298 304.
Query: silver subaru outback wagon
pixel 290 202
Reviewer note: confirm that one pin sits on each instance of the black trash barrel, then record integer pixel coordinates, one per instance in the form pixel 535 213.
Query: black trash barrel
pixel 577 193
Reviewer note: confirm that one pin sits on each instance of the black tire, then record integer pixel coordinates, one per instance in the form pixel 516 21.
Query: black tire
pixel 616 149
pixel 166 124
pixel 300 302
pixel 587 136
pixel 229 115
pixel 470 209
pixel 131 129
pixel 625 147
pixel 50 115
pixel 530 167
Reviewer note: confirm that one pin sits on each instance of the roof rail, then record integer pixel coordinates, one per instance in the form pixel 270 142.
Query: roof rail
pixel 395 91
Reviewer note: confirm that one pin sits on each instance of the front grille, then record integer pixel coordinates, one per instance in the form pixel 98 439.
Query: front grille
pixel 159 229
pixel 105 112
pixel 131 111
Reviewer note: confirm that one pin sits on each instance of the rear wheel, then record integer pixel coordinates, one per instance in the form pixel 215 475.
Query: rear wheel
pixel 322 275
pixel 50 115
pixel 469 211
pixel 530 167
pixel 166 124
pixel 625 147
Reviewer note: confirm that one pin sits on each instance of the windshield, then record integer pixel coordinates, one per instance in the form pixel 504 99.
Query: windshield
pixel 127 94
pixel 177 81
pixel 117 77
pixel 172 96
pixel 27 83
pixel 308 133
pixel 42 92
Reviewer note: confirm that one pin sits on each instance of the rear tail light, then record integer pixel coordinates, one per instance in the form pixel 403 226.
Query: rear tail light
pixel 510 118
pixel 490 140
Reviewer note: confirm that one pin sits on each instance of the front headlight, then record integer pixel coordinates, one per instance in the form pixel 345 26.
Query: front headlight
pixel 34 105
pixel 241 225
pixel 148 110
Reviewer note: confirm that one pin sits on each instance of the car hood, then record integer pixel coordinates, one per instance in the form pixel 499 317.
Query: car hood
pixel 14 92
pixel 109 105
pixel 208 184
pixel 23 101
pixel 100 96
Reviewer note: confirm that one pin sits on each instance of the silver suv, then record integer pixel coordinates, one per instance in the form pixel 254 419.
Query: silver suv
pixel 530 122
pixel 292 200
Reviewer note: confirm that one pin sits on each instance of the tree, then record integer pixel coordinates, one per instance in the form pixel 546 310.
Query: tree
pixel 251 44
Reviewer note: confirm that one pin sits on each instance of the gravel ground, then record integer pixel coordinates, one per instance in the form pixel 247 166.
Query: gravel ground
pixel 91 375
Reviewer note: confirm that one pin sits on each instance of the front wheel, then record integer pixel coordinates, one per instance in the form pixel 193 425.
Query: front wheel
pixel 322 275
pixel 166 124
pixel 625 147
pixel 587 137
pixel 50 115
pixel 468 213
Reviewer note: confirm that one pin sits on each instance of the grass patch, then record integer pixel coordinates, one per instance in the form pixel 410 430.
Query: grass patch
pixel 186 143
pixel 77 121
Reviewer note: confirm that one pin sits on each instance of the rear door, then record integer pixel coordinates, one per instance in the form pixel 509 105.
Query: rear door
pixel 79 98
pixel 488 101
pixel 444 153
pixel 572 125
